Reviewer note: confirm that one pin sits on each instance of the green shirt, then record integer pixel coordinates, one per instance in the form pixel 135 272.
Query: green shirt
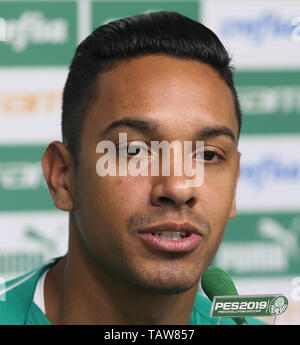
pixel 17 306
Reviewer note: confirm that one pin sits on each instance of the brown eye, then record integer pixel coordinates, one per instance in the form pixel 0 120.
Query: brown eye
pixel 137 148
pixel 133 151
pixel 209 156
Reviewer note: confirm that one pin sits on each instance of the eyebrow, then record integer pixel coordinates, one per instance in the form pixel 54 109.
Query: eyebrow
pixel 215 131
pixel 148 127
pixel 139 125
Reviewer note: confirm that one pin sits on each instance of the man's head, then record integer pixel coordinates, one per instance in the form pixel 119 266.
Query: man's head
pixel 168 33
pixel 158 77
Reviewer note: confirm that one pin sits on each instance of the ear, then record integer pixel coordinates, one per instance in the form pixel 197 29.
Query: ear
pixel 57 167
pixel 233 210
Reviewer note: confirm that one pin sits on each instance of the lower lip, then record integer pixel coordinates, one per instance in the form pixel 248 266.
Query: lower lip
pixel 183 245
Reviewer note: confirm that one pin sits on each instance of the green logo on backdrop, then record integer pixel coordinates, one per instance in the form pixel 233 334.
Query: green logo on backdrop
pixel 37 247
pixel 22 182
pixel 271 98
pixel 106 11
pixel 261 245
pixel 38 32
pixel 245 306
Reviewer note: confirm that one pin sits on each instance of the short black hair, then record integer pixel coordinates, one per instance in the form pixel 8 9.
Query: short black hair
pixel 160 32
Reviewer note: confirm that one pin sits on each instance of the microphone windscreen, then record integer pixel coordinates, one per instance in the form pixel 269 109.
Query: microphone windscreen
pixel 216 282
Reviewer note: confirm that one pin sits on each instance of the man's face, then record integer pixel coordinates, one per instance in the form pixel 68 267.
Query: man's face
pixel 176 99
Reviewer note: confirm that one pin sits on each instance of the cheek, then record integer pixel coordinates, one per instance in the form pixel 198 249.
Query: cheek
pixel 123 195
pixel 219 182
pixel 106 203
pixel 215 199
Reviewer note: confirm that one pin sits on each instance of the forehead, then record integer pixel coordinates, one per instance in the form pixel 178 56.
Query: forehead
pixel 173 92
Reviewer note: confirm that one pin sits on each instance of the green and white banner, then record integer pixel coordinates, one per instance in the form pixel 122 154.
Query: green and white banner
pixel 249 306
pixel 37 42
pixel 38 33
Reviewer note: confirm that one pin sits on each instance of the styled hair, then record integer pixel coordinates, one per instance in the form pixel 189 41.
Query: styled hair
pixel 161 32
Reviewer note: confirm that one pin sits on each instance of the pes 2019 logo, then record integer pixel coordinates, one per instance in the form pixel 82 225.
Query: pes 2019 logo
pixel 252 305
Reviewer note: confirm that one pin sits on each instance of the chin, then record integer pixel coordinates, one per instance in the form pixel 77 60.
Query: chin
pixel 173 290
pixel 168 283
pixel 169 289
pixel 164 276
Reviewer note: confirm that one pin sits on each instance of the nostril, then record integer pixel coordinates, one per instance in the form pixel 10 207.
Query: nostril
pixel 191 202
pixel 171 192
pixel 166 200
pixel 163 200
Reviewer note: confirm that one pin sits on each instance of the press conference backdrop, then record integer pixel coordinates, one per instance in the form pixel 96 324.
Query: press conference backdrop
pixel 261 247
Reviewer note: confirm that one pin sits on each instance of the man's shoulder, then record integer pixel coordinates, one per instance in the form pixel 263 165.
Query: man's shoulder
pixel 15 299
pixel 16 296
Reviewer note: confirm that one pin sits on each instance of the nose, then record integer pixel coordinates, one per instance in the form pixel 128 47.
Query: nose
pixel 173 191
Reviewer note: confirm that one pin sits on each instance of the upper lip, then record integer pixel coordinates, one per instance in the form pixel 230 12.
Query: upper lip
pixel 170 226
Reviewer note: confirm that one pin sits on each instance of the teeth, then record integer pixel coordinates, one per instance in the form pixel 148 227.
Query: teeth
pixel 170 235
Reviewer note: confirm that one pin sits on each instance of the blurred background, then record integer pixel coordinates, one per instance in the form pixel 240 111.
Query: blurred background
pixel 261 247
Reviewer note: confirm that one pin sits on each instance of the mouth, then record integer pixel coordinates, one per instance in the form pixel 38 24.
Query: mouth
pixel 171 237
